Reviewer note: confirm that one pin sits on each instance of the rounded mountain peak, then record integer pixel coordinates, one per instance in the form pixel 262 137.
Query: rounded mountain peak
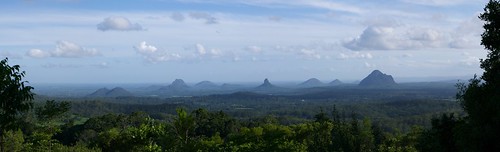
pixel 312 82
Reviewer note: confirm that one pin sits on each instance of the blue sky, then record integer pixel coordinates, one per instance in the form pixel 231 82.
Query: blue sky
pixel 157 41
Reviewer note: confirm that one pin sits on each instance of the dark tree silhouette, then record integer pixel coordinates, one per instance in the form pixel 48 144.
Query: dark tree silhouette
pixel 15 97
pixel 480 98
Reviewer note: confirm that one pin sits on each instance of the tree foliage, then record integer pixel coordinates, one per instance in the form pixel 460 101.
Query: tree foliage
pixel 15 97
pixel 480 100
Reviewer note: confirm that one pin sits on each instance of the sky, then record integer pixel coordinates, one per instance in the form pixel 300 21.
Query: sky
pixel 157 41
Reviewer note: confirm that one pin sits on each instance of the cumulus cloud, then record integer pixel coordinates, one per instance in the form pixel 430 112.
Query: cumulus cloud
pixel 152 54
pixel 426 38
pixel 201 51
pixel 37 53
pixel 373 38
pixel 64 49
pixel 72 50
pixel 118 24
pixel 397 38
pixel 209 19
pixel 467 34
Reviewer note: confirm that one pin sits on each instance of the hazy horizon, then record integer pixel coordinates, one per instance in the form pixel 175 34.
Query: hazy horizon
pixel 155 41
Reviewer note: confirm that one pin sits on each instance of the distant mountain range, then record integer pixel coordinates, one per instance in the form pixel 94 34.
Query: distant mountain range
pixel 179 88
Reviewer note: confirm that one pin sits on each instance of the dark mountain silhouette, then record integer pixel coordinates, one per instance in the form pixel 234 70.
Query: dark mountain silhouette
pixel 115 92
pixel 312 82
pixel 335 82
pixel 178 84
pixel 377 78
pixel 266 85
pixel 99 92
pixel 206 85
pixel 119 92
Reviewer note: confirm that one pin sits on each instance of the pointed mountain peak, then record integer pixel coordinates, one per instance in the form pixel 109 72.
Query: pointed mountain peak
pixel 99 92
pixel 266 85
pixel 376 72
pixel 335 82
pixel 377 78
pixel 266 82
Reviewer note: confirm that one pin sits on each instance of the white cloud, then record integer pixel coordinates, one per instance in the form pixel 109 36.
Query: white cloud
pixel 152 54
pixel 209 19
pixel 64 49
pixel 37 53
pixel 118 24
pixel 426 38
pixel 201 51
pixel 467 34
pixel 397 38
pixel 374 38
pixel 72 50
